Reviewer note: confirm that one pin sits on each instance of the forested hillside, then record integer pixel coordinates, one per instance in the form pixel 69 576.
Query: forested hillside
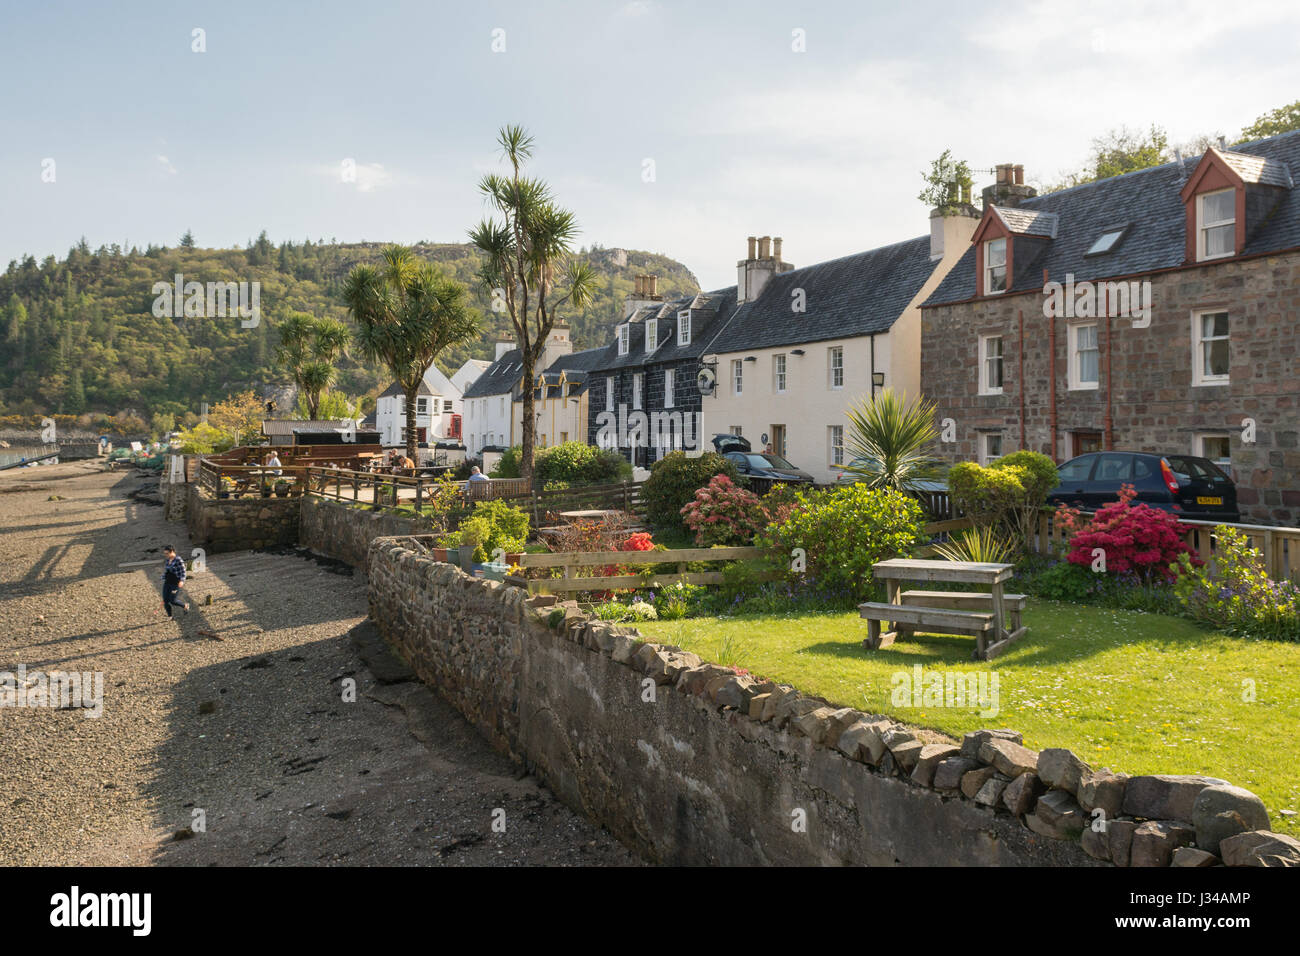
pixel 78 335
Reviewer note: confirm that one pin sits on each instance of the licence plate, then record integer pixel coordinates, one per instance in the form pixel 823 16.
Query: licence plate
pixel 1209 501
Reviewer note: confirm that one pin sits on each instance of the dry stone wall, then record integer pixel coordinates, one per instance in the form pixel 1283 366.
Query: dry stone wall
pixel 689 762
pixel 240 524
pixel 345 532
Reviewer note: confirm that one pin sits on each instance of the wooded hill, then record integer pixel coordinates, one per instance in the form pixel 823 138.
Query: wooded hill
pixel 79 334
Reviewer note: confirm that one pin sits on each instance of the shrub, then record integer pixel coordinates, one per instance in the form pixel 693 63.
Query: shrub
pixel 1135 539
pixel 673 481
pixel 1063 581
pixel 678 600
pixel 845 532
pixel 724 514
pixel 493 526
pixel 507 465
pixel 1241 598
pixel 976 544
pixel 577 463
pixel 204 439
pixel 1011 491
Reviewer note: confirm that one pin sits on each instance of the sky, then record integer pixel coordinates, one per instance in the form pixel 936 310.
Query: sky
pixel 678 128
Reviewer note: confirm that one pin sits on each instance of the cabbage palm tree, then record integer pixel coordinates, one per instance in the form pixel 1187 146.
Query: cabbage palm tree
pixel 308 349
pixel 407 312
pixel 528 265
pixel 888 441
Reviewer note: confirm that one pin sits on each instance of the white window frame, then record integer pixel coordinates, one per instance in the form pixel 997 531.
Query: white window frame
pixel 421 405
pixel 448 406
pixel 684 327
pixel 624 338
pixel 1199 377
pixel 735 430
pixel 833 353
pixel 779 373
pixel 651 335
pixel 737 376
pixel 609 393
pixel 1198 449
pixel 986 453
pixel 835 443
pixel 989 267
pixel 670 378
pixel 637 382
pixel 985 387
pixel 1076 382
pixel 1202 226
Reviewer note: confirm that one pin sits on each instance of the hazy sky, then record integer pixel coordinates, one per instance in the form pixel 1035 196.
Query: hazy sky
pixel 746 136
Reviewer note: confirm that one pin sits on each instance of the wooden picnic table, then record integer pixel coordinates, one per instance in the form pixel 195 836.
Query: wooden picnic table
pixel 993 618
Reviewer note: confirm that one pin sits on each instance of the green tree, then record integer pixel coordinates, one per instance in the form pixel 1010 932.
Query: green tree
pixel 526 252
pixel 308 350
pixel 947 184
pixel 1119 151
pixel 1281 120
pixel 187 240
pixel 407 312
pixel 888 441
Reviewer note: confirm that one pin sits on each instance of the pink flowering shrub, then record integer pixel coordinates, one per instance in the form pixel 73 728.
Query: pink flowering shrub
pixel 724 514
pixel 1137 540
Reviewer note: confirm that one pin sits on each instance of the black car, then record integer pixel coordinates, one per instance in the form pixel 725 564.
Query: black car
pixel 1187 486
pixel 761 468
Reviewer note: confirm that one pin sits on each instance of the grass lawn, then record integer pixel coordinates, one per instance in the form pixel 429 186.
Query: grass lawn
pixel 1139 693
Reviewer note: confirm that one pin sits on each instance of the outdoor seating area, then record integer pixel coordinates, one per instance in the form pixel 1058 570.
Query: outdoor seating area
pixel 992 618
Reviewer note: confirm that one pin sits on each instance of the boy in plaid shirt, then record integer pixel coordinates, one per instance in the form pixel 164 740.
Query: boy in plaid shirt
pixel 173 581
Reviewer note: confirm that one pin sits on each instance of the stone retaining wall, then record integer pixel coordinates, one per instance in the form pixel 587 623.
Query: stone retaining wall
pixel 690 763
pixel 240 524
pixel 344 532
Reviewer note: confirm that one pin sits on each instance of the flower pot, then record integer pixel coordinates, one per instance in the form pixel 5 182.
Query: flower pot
pixel 466 556
pixel 440 554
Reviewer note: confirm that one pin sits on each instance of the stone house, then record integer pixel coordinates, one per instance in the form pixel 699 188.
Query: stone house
pixel 1157 311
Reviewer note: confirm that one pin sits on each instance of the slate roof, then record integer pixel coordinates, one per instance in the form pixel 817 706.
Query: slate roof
pixel 860 294
pixel 1258 169
pixel 1148 202
pixel 500 378
pixel 1028 222
pixel 708 310
pixel 396 390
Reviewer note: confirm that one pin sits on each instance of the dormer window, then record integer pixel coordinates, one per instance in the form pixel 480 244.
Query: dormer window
pixel 995 266
pixel 624 338
pixel 651 335
pixel 684 327
pixel 1216 224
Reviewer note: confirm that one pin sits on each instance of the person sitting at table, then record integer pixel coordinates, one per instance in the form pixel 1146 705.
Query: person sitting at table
pixel 273 463
pixel 476 475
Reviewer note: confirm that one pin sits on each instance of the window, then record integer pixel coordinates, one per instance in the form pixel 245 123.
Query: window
pixel 447 405
pixel 995 266
pixel 835 438
pixel 1210 358
pixel 1076 471
pixel 624 337
pixel 1216 224
pixel 1107 241
pixel 503 405
pixel 651 334
pixel 637 378
pixel 735 430
pixel 1217 448
pixel 669 379
pixel 1084 356
pixel 990 447
pixel 737 376
pixel 991 365
pixel 684 327
pixel 1086 442
pixel 421 406
pixel 835 366
pixel 609 393
pixel 778 373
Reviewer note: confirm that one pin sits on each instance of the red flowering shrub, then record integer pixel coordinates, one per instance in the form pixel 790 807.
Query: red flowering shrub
pixel 1136 540
pixel 640 541
pixel 724 514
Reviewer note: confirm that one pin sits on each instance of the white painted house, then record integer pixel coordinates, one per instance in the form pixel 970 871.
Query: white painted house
pixel 439 411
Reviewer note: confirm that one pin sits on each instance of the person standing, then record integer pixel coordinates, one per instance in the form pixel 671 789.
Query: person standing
pixel 173 581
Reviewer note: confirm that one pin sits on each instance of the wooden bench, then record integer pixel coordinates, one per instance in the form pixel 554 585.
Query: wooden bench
pixel 906 619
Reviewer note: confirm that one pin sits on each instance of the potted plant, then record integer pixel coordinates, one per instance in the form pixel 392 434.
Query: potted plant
pixel 471 539
pixel 281 488
pixel 227 486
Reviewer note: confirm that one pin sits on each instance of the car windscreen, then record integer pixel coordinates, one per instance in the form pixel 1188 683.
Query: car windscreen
pixel 768 461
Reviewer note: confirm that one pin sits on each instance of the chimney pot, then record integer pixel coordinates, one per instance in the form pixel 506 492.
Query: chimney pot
pixel 765 247
pixel 653 281
pixel 776 248
pixel 1020 174
pixel 753 244
pixel 637 280
pixel 1002 173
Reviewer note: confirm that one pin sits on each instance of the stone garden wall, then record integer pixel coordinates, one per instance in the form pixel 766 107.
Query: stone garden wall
pixel 240 524
pixel 690 763
pixel 345 532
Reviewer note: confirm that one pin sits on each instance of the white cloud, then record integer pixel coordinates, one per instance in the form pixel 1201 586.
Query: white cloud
pixel 364 177
pixel 166 164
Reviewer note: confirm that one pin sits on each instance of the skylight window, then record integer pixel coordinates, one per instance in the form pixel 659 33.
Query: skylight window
pixel 1107 241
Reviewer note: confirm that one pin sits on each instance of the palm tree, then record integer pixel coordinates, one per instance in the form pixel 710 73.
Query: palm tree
pixel 888 440
pixel 526 252
pixel 308 349
pixel 407 312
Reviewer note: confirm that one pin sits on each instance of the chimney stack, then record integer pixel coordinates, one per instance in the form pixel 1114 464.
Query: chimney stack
pixel 764 261
pixel 765 247
pixel 753 246
pixel 1009 188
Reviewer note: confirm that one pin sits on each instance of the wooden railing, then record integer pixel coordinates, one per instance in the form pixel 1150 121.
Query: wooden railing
pixel 1279 547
